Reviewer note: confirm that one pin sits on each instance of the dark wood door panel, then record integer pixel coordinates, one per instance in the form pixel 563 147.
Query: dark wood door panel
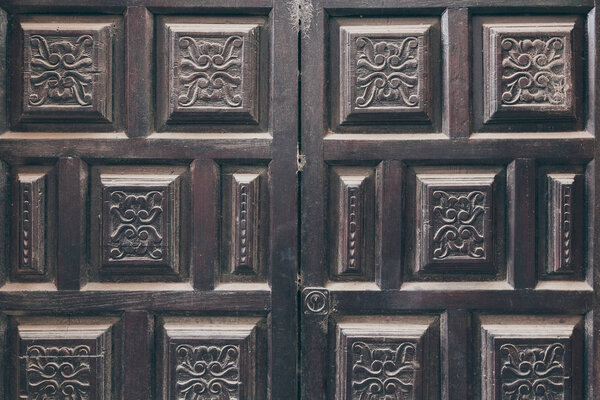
pixel 448 200
pixel 148 200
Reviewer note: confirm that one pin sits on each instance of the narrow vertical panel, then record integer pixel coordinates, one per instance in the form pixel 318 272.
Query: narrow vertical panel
pixel 137 377
pixel 390 189
pixel 457 72
pixel 352 223
pixel 245 193
pixel 72 203
pixel 4 224
pixel 30 191
pixel 139 29
pixel 314 335
pixel 205 207
pixel 455 354
pixel 565 218
pixel 521 222
pixel 3 69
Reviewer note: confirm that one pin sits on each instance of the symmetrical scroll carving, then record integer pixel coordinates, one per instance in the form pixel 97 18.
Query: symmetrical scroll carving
pixel 564 230
pixel 210 71
pixel 208 372
pixel 533 70
pixel 382 371
pixel 387 72
pixel 352 222
pixel 141 211
pixel 533 372
pixel 455 220
pixel 62 70
pixel 458 226
pixel 136 228
pixel 61 373
pixel 66 66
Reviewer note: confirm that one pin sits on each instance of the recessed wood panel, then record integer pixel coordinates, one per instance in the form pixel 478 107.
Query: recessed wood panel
pixel 352 223
pixel 140 228
pixel 211 74
pixel 386 73
pixel 537 356
pixel 245 222
pixel 211 358
pixel 532 70
pixel 33 223
pixel 61 358
pixel 458 221
pixel 393 357
pixel 64 70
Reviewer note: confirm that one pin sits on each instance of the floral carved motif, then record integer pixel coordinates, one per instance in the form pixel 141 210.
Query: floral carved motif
pixel 387 72
pixel 533 372
pixel 58 373
pixel 383 371
pixel 210 72
pixel 208 372
pixel 458 224
pixel 61 70
pixel 533 70
pixel 136 225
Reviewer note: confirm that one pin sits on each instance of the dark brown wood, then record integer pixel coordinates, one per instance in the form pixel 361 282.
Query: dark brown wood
pixel 137 360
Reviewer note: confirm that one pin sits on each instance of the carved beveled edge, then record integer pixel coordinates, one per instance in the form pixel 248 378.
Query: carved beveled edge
pixel 493 109
pixel 348 114
pixel 527 330
pixel 173 181
pixel 422 331
pixel 46 336
pixel 242 332
pixel 468 178
pixel 565 223
pixel 101 29
pixel 315 301
pixel 250 34
pixel 352 223
pixel 32 257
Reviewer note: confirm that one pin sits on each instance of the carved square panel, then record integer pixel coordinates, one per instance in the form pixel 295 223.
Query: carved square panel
pixel 211 71
pixel 385 72
pixel 33 220
pixel 352 223
pixel 208 358
pixel 140 227
pixel 61 358
pixel 531 357
pixel 530 68
pixel 65 67
pixel 561 222
pixel 387 357
pixel 245 211
pixel 458 214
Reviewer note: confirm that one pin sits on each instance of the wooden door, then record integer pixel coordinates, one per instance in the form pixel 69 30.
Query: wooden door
pixel 448 200
pixel 148 200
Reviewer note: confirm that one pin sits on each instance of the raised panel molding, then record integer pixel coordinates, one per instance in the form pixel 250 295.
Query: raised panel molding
pixel 387 358
pixel 62 358
pixel 565 223
pixel 212 73
pixel 33 213
pixel 207 358
pixel 456 219
pixel 141 229
pixel 66 68
pixel 530 69
pixel 352 223
pixel 385 72
pixel 531 357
